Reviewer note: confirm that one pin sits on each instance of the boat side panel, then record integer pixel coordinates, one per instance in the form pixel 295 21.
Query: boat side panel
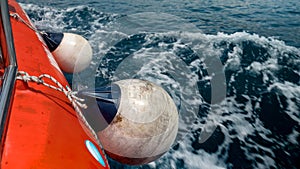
pixel 43 130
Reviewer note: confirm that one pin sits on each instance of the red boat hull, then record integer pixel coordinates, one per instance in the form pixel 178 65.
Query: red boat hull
pixel 43 130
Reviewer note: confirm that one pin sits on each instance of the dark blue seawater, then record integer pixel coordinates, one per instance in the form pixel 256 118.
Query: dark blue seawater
pixel 232 68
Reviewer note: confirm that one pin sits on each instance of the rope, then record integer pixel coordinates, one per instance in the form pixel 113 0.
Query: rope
pixel 19 18
pixel 76 102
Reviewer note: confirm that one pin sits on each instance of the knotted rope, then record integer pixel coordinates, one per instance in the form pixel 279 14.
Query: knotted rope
pixel 77 102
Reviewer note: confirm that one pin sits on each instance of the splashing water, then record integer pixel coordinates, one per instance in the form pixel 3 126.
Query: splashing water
pixel 257 122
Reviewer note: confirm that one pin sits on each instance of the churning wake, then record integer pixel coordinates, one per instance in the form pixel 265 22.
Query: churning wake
pixel 241 89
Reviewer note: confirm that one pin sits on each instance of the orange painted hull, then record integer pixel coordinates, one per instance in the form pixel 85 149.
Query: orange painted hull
pixel 43 130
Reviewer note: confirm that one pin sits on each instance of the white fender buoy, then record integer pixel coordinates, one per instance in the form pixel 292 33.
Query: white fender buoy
pixel 145 125
pixel 72 52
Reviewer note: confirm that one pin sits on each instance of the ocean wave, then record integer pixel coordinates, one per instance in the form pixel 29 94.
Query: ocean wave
pixel 256 123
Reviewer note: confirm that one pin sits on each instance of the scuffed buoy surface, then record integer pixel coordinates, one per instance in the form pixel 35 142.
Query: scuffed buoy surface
pixel 145 126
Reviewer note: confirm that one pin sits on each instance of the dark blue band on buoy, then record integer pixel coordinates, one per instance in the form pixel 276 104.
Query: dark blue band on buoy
pixel 52 40
pixel 107 101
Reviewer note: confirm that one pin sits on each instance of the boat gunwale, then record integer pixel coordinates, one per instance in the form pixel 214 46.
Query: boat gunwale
pixel 10 70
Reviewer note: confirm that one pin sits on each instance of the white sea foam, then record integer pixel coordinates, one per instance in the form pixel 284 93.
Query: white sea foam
pixel 161 65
